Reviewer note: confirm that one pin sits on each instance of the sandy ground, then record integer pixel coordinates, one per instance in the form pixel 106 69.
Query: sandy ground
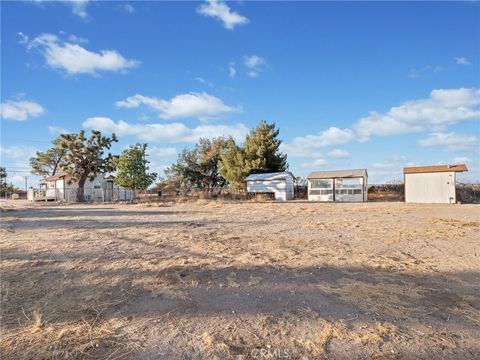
pixel 215 280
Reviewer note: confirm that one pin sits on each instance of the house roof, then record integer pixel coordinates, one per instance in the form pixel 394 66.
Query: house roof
pixel 270 176
pixel 338 174
pixel 435 168
pixel 55 177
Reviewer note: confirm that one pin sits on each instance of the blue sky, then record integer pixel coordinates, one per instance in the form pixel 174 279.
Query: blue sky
pixel 380 85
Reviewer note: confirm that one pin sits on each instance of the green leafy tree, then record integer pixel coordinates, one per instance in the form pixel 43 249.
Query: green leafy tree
pixel 132 169
pixel 260 154
pixel 47 163
pixel 232 165
pixel 198 167
pixel 85 158
pixel 4 186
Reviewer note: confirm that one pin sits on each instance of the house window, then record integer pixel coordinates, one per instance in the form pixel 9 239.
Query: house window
pixel 97 185
pixel 51 184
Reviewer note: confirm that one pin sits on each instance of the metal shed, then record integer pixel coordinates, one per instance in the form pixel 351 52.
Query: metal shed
pixel 431 184
pixel 281 184
pixel 340 185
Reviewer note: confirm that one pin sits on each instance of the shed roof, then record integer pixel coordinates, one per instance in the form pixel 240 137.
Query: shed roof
pixel 270 176
pixel 338 174
pixel 435 168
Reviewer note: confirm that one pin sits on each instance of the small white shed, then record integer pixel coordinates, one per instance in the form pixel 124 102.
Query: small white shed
pixel 431 184
pixel 281 184
pixel 339 185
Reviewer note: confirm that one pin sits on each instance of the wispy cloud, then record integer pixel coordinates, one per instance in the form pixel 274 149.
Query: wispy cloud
pixel 218 9
pixel 451 141
pixel 462 61
pixel 57 130
pixel 16 152
pixel 338 154
pixel 203 81
pixel 195 105
pixel 254 64
pixel 20 110
pixel 75 59
pixel 231 70
pixel 416 73
pixel 165 133
pixel 78 7
pixel 128 8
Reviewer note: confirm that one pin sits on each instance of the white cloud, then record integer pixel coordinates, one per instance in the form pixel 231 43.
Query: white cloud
pixel 162 152
pixel 253 61
pixel 79 7
pixel 314 164
pixel 166 133
pixel 20 110
pixel 444 107
pixel 416 73
pixel 462 159
pixel 452 141
pixel 338 153
pixel 295 151
pixel 389 169
pixel 128 8
pixel 196 105
pixel 462 61
pixel 330 137
pixel 203 81
pixel 254 64
pixel 75 59
pixel 219 10
pixel 17 152
pixel 231 70
pixel 54 130
pixel 306 146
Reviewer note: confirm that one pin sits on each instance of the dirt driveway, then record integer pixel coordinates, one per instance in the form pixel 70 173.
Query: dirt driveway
pixel 215 280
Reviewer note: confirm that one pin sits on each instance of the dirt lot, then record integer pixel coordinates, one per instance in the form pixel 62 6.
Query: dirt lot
pixel 215 280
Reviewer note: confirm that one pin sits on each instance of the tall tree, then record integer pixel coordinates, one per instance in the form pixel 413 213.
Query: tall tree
pixel 84 158
pixel 232 165
pixel 47 163
pixel 260 154
pixel 4 186
pixel 132 169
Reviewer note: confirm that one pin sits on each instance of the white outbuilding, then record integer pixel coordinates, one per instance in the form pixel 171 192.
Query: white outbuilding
pixel 339 186
pixel 431 184
pixel 280 184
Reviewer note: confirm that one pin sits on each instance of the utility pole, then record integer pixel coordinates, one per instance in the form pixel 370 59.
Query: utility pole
pixel 26 183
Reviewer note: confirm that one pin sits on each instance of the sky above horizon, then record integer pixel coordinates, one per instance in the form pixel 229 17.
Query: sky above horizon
pixel 376 85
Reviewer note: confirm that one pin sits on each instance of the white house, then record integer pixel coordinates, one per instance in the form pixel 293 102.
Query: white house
pixel 281 184
pixel 431 184
pixel 341 185
pixel 60 188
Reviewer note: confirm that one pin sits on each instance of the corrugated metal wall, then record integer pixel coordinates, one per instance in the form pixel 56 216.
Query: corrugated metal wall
pixel 283 189
pixel 430 188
